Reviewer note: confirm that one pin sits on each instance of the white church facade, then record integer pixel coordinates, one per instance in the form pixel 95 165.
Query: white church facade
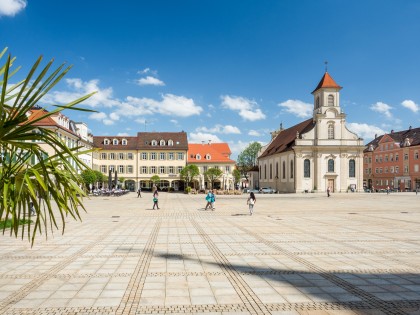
pixel 317 153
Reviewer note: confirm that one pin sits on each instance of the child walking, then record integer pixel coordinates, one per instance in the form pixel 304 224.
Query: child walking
pixel 251 202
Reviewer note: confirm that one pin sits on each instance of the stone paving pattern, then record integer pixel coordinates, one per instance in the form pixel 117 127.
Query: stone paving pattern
pixel 298 254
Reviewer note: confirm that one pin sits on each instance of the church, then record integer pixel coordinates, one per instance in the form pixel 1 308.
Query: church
pixel 317 153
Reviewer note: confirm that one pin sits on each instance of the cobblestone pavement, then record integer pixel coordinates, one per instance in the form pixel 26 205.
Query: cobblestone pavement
pixel 298 254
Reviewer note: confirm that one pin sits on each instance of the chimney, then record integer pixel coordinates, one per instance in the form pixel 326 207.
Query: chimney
pixel 409 128
pixel 202 142
pixel 392 131
pixel 376 135
pixel 209 142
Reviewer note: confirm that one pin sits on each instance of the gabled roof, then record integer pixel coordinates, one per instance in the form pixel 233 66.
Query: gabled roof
pixel 413 134
pixel 285 140
pixel 180 141
pixel 47 121
pixel 326 82
pixel 98 142
pixel 219 153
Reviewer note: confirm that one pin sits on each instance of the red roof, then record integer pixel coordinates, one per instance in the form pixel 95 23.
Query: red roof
pixel 218 152
pixel 46 121
pixel 327 82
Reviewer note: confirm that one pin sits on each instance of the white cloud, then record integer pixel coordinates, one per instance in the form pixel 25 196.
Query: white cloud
pixel 108 122
pixel 411 105
pixel 382 108
pixel 174 121
pixel 98 116
pixel 254 133
pixel 199 137
pixel 171 105
pixel 102 97
pixel 228 129
pixel 144 71
pixel 122 134
pixel 11 7
pixel 114 116
pixel 365 131
pixel 247 109
pixel 150 81
pixel 297 108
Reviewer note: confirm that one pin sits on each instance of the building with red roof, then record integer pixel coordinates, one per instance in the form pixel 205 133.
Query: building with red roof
pixel 212 155
pixel 317 153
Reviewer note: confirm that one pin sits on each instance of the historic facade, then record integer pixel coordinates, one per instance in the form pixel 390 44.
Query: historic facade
pixel 392 160
pixel 211 155
pixel 73 134
pixel 317 153
pixel 138 158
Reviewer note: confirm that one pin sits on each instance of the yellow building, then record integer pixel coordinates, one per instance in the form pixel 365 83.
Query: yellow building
pixel 138 158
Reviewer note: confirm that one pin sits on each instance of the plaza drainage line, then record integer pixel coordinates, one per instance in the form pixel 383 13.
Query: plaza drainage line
pixel 15 297
pixel 131 299
pixel 368 298
pixel 253 304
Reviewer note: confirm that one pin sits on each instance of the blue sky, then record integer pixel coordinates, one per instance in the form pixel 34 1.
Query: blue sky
pixel 227 71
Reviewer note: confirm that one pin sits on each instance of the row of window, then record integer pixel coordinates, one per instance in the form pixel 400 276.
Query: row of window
pixel 390 158
pixel 128 169
pixel 392 169
pixel 330 167
pixel 142 156
pixel 292 171
pixel 153 142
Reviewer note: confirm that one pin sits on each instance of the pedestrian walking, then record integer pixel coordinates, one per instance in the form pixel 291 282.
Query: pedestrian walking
pixel 213 200
pixel 209 197
pixel 31 208
pixel 139 192
pixel 251 202
pixel 328 191
pixel 387 190
pixel 156 200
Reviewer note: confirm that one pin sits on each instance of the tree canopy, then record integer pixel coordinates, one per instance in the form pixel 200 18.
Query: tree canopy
pixel 212 174
pixel 247 159
pixel 189 172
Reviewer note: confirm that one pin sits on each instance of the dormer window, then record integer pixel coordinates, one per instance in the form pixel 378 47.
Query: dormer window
pixel 198 157
pixel 124 142
pixel 106 142
pixel 115 141
pixel 170 143
pixel 154 143
pixel 330 100
pixel 208 157
pixel 162 142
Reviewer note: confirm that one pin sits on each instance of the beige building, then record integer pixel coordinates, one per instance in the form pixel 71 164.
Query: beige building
pixel 73 134
pixel 317 153
pixel 212 155
pixel 139 158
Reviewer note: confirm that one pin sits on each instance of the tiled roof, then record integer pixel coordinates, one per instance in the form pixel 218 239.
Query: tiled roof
pixel 412 134
pixel 286 138
pixel 180 141
pixel 219 153
pixel 326 82
pixel 98 142
pixel 47 121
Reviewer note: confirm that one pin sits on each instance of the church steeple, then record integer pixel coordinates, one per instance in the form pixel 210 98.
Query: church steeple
pixel 326 95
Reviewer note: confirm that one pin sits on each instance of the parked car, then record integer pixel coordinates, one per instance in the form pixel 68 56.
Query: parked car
pixel 255 191
pixel 267 190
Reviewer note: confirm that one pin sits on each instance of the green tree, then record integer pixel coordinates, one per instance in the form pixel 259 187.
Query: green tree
pixel 121 179
pixel 155 179
pixel 212 174
pixel 247 159
pixel 100 178
pixel 27 173
pixel 189 172
pixel 88 177
pixel 236 175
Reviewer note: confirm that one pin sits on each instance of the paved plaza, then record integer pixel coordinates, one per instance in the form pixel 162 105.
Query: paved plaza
pixel 298 254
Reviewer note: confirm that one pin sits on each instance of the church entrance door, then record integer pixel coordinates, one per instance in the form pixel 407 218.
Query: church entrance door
pixel 331 184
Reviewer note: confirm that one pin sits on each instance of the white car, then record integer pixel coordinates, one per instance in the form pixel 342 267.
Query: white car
pixel 267 190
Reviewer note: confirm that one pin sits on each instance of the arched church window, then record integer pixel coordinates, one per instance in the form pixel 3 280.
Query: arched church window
pixel 330 166
pixel 317 102
pixel 352 168
pixel 265 171
pixel 330 100
pixel 284 169
pixel 307 168
pixel 331 131
pixel 292 170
